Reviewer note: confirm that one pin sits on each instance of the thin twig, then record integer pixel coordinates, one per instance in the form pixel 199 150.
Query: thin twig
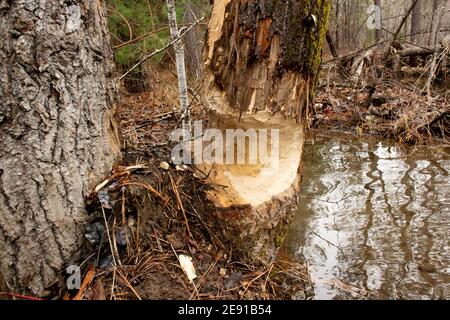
pixel 180 203
pixel 145 58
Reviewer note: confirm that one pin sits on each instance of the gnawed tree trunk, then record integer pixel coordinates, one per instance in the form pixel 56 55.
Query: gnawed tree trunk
pixel 439 8
pixel 262 59
pixel 57 133
pixel 193 42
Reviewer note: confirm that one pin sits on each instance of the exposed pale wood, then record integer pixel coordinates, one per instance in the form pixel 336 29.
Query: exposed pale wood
pixel 415 51
pixel 259 75
pixel 90 274
pixel 215 25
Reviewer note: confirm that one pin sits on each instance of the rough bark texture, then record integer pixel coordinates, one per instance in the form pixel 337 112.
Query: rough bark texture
pixel 262 44
pixel 331 45
pixel 57 133
pixel 262 60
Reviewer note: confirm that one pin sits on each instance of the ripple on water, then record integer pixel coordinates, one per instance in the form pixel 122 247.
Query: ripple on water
pixel 373 219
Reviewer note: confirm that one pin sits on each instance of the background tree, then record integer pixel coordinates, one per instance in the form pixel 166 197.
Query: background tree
pixel 135 29
pixel 57 133
pixel 416 18
pixel 378 31
pixel 181 68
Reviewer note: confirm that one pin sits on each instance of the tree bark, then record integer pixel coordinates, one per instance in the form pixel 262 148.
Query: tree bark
pixel 415 27
pixel 181 68
pixel 57 133
pixel 378 31
pixel 331 45
pixel 262 60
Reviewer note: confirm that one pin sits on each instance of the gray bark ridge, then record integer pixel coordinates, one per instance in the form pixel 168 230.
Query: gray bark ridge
pixel 57 132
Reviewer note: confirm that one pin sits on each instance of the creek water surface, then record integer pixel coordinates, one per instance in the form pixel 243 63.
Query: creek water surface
pixel 373 219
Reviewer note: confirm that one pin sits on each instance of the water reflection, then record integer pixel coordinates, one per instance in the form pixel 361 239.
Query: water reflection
pixel 373 220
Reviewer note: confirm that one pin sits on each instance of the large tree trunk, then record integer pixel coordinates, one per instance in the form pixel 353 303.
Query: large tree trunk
pixel 262 59
pixel 337 30
pixel 57 133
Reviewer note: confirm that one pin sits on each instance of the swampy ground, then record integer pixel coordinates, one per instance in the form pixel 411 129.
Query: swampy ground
pixel 373 218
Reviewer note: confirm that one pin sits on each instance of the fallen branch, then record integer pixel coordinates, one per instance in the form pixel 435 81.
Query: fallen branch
pixel 20 296
pixel 86 282
pixel 124 171
pixel 146 186
pixel 145 35
pixel 180 204
pixel 155 119
pixel 411 51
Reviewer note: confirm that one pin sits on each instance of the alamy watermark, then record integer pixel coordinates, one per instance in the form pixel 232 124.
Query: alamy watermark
pixel 374 18
pixel 231 146
pixel 73 281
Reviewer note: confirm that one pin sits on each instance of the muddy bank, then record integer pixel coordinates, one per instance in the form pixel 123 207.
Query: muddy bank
pixel 149 212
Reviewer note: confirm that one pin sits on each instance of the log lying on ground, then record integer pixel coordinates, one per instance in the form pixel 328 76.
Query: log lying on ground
pixel 411 51
pixel 261 65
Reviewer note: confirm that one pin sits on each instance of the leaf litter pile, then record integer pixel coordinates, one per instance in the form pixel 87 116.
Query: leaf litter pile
pixel 152 234
pixel 411 106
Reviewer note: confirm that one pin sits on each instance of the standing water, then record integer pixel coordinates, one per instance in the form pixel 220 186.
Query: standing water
pixel 373 219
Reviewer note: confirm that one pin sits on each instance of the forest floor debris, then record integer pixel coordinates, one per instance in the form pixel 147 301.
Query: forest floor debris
pixel 150 213
pixel 404 107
